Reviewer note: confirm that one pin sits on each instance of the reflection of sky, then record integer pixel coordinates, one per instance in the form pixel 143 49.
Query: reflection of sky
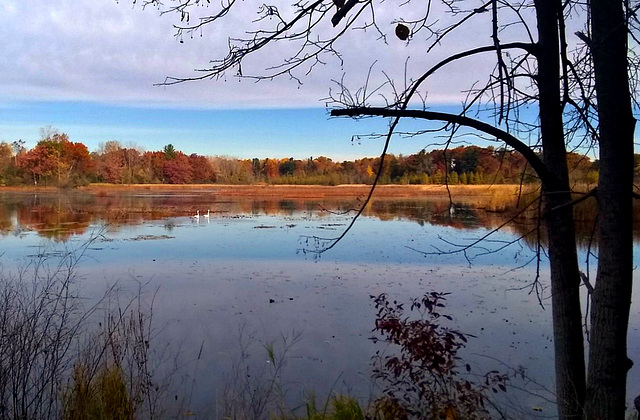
pixel 287 238
pixel 278 238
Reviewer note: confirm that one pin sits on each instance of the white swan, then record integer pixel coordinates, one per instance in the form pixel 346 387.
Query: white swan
pixel 196 216
pixel 206 215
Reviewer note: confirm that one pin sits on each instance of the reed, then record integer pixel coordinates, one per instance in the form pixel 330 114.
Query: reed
pixel 494 198
pixel 104 397
pixel 58 361
pixel 338 407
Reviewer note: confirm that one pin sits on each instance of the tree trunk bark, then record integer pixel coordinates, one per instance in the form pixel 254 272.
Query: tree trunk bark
pixel 565 275
pixel 608 363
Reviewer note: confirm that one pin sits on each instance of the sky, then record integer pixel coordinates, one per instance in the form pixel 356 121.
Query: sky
pixel 91 69
pixel 243 133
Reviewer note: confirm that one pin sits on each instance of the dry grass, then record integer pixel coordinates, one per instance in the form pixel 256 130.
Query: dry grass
pixel 104 397
pixel 316 191
pixel 482 194
pixel 494 198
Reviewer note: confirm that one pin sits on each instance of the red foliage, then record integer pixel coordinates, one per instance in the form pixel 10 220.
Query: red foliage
pixel 422 376
pixel 202 169
pixel 57 159
pixel 177 170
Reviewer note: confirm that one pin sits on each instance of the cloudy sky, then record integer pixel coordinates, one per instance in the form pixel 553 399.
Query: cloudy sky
pixel 90 68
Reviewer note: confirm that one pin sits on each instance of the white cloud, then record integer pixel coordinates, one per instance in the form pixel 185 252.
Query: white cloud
pixel 106 51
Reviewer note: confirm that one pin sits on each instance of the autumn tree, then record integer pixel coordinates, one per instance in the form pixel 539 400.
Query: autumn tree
pixel 78 160
pixel 202 171
pixel 110 162
pixel 33 163
pixel 6 162
pixel 153 162
pixel 177 170
pixel 233 171
pixel 56 160
pixel 118 164
pixel 270 168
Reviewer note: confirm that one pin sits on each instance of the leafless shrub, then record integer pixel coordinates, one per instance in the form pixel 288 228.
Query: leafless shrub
pixel 255 390
pixel 56 357
pixel 40 320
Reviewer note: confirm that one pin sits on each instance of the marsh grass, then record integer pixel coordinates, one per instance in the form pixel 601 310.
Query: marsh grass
pixel 337 407
pixel 60 359
pixel 40 320
pixel 495 198
pixel 102 397
pixel 112 376
pixel 341 407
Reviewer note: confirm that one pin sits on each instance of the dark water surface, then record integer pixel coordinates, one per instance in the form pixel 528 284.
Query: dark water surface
pixel 248 275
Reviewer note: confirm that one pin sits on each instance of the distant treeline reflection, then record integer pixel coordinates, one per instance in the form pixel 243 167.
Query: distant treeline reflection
pixel 59 216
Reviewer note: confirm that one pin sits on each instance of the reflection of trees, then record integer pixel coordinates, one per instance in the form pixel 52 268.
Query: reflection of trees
pixel 53 222
pixel 584 220
pixel 6 225
pixel 59 216
pixel 52 217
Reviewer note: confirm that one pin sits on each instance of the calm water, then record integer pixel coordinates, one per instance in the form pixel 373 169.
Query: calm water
pixel 248 275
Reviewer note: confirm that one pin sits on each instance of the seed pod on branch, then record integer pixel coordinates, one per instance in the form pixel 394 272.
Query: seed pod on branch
pixel 402 31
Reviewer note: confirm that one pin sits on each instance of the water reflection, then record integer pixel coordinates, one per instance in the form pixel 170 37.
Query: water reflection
pixel 61 215
pixel 240 268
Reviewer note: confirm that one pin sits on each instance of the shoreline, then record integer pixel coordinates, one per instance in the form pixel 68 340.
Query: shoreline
pixel 292 191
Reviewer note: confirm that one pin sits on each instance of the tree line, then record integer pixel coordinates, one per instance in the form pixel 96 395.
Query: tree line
pixel 58 161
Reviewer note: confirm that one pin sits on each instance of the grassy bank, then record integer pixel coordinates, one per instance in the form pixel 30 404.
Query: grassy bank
pixel 315 191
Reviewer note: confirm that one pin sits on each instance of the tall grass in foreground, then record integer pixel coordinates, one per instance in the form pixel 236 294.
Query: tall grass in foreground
pixel 59 359
pixel 112 376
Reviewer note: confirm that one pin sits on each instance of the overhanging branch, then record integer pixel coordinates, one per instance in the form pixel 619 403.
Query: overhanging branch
pixel 534 160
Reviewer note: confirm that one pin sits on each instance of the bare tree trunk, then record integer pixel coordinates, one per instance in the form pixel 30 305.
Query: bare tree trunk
pixel 565 275
pixel 608 362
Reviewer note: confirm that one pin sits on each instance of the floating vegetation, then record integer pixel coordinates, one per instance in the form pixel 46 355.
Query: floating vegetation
pixel 150 237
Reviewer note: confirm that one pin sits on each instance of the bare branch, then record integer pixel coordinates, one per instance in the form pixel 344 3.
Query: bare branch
pixel 342 11
pixel 591 193
pixel 586 282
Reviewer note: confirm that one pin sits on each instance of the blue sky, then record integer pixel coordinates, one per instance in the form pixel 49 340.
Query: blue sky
pixel 90 68
pixel 244 133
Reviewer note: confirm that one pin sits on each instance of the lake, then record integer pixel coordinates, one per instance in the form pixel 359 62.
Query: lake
pixel 250 274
